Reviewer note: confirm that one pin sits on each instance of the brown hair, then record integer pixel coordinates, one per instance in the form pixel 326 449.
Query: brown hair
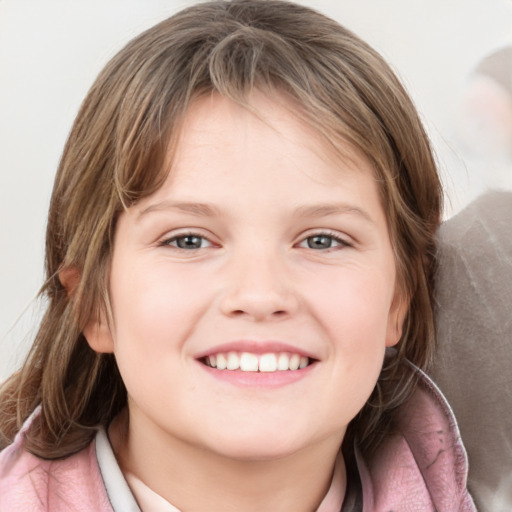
pixel 114 156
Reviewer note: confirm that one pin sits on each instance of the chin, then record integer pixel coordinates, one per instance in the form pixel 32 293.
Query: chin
pixel 258 447
pixel 252 453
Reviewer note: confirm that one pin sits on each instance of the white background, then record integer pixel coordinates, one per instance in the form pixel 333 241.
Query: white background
pixel 51 51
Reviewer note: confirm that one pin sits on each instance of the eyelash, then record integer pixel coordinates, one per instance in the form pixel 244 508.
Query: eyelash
pixel 333 237
pixel 168 241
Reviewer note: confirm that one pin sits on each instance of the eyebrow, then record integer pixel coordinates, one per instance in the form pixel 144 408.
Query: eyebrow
pixel 198 209
pixel 325 210
pixel 208 210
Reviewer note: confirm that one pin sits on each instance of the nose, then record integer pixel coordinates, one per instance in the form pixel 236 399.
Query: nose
pixel 259 288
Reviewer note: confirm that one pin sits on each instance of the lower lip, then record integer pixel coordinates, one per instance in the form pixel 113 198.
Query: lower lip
pixel 259 379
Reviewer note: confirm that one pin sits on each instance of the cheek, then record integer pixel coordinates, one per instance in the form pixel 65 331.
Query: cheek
pixel 357 306
pixel 355 315
pixel 154 302
pixel 148 311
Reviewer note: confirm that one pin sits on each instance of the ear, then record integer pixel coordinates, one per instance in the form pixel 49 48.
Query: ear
pixel 98 335
pixel 97 331
pixel 396 318
pixel 69 277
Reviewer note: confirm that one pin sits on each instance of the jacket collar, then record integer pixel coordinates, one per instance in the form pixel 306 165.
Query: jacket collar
pixel 422 464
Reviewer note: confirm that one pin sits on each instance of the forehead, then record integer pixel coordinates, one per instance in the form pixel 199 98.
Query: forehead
pixel 275 127
pixel 236 158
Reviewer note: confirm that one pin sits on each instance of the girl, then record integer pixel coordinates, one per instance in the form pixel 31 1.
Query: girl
pixel 241 230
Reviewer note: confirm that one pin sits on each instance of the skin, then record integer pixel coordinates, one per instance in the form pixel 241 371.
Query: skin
pixel 484 123
pixel 253 276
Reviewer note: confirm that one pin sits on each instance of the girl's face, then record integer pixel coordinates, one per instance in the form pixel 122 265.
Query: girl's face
pixel 262 251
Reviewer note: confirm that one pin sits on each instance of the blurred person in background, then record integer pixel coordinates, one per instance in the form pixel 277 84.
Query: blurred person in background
pixel 482 132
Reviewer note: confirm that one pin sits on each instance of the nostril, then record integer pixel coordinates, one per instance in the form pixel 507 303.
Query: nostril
pixel 240 312
pixel 258 304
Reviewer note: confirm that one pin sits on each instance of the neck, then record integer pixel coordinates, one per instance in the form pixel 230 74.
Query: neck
pixel 195 479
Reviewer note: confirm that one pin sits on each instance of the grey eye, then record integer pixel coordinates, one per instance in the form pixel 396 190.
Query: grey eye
pixel 189 242
pixel 320 242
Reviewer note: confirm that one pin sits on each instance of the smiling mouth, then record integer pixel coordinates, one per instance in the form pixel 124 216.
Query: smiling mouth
pixel 264 363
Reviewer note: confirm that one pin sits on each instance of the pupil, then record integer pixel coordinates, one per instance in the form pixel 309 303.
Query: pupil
pixel 319 242
pixel 189 242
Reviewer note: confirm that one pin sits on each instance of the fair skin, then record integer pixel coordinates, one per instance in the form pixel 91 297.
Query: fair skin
pixel 485 119
pixel 260 243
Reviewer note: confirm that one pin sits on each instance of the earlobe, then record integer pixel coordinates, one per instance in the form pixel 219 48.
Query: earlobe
pixel 98 335
pixel 396 319
pixel 97 331
pixel 69 277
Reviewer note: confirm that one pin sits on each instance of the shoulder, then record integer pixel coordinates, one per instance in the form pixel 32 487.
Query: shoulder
pixel 422 465
pixel 474 274
pixel 474 256
pixel 488 214
pixel 474 329
pixel 72 484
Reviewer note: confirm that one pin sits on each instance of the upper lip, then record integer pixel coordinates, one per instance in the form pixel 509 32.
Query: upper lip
pixel 254 347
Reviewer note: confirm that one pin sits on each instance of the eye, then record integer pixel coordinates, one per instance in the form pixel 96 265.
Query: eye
pixel 322 241
pixel 189 241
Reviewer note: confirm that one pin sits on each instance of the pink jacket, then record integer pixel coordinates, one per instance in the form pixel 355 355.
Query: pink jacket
pixel 423 468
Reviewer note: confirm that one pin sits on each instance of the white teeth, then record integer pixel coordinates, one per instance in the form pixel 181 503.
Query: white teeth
pixel 294 362
pixel 248 362
pixel 221 362
pixel 233 361
pixel 268 363
pixel 283 362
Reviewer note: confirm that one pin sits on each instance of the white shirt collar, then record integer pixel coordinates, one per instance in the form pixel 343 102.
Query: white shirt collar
pixel 129 494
